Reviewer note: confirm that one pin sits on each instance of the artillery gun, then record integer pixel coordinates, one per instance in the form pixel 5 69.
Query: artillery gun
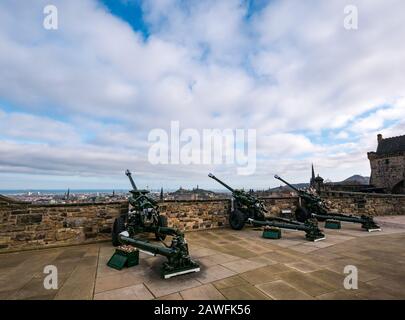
pixel 178 259
pixel 312 206
pixel 143 215
pixel 247 208
pixel 244 206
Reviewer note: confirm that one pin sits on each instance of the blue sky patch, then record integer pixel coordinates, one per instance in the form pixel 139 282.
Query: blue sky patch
pixel 129 11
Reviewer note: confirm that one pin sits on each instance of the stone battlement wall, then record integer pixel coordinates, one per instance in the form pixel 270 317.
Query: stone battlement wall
pixel 373 204
pixel 207 214
pixel 30 226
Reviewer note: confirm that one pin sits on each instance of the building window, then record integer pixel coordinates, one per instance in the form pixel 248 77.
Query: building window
pixel 387 161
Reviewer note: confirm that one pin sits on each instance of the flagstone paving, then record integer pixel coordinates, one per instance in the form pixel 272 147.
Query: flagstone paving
pixel 234 265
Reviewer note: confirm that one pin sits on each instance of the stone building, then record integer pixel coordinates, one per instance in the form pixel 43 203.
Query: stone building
pixel 388 164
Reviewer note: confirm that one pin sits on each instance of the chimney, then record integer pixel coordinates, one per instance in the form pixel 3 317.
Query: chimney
pixel 379 137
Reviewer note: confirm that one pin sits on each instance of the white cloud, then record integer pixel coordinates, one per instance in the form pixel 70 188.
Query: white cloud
pixel 286 145
pixel 291 71
pixel 377 119
pixel 34 128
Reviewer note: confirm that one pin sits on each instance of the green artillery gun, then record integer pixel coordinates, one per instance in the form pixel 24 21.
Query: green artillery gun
pixel 247 208
pixel 310 227
pixel 177 254
pixel 143 216
pixel 312 206
pixel 244 206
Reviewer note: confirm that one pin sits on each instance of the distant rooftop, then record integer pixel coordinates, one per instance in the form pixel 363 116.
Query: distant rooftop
pixel 390 145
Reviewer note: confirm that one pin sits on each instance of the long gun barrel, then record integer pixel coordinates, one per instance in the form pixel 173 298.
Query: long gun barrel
pixel 128 173
pixel 365 221
pixel 312 232
pixel 146 246
pixel 285 225
pixel 288 184
pixel 219 181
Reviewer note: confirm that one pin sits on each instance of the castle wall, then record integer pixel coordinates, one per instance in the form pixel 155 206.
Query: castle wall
pixel 29 226
pixel 358 203
pixel 387 171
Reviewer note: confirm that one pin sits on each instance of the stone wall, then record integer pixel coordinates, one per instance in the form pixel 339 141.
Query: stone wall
pixel 275 205
pixel 190 215
pixel 373 204
pixel 208 214
pixel 28 226
pixel 388 171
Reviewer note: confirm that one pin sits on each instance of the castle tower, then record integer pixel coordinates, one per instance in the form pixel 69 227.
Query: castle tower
pixel 387 164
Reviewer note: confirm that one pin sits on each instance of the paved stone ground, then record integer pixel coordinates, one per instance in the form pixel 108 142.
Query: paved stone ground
pixel 234 265
pixel 391 221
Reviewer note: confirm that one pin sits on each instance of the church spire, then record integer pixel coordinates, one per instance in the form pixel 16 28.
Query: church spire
pixel 312 181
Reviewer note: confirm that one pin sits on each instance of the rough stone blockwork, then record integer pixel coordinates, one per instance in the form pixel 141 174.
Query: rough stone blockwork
pixel 366 203
pixel 208 214
pixel 196 215
pixel 29 226
pixel 275 205
pixel 26 225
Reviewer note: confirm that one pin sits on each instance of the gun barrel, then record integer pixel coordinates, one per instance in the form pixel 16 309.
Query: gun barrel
pixel 219 181
pixel 284 224
pixel 146 246
pixel 129 175
pixel 288 184
pixel 279 224
pixel 339 217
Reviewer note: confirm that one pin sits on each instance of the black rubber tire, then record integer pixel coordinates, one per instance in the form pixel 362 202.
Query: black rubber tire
pixel 118 227
pixel 302 214
pixel 237 219
pixel 162 222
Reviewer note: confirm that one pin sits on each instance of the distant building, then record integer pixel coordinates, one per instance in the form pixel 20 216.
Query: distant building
pixel 388 164
pixel 355 183
pixel 316 182
pixel 312 182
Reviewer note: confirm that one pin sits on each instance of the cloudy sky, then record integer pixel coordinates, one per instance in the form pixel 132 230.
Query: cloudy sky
pixel 77 103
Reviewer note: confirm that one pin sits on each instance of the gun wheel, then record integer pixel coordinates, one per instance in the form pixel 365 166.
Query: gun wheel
pixel 237 219
pixel 302 214
pixel 162 222
pixel 118 227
